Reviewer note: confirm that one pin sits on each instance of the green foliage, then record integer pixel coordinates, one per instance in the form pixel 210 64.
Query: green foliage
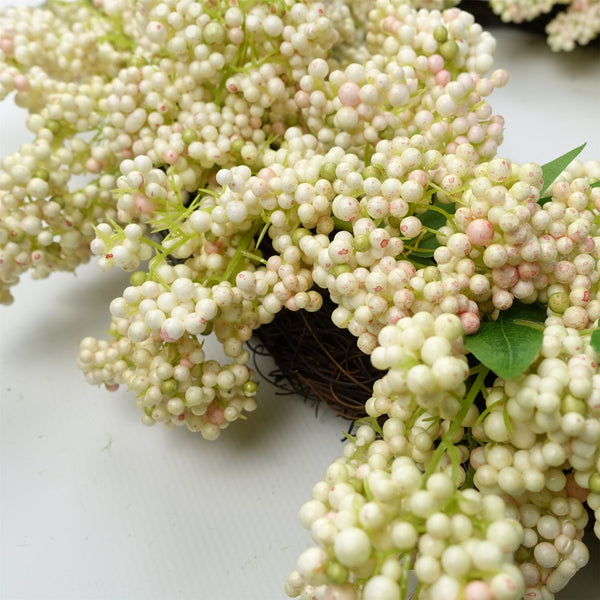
pixel 595 340
pixel 510 344
pixel 551 170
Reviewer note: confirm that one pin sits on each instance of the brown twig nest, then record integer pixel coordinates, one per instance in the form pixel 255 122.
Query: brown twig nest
pixel 317 360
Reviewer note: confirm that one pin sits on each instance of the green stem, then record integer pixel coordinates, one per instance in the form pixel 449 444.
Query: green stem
pixel 345 225
pixel 456 423
pixel 239 253
pixel 530 324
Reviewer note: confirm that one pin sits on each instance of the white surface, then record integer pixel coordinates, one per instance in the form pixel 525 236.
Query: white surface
pixel 96 506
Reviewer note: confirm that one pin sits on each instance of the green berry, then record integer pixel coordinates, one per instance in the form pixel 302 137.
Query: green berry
pixel 214 33
pixel 298 234
pixel 449 49
pixel 431 274
pixel 388 133
pixel 327 171
pixel 559 302
pixel 339 269
pixel 189 136
pixel 440 34
pixel 250 388
pixel 53 125
pixel 337 574
pixel 168 387
pixel 571 404
pixel 595 483
pixel 137 278
pixel 237 145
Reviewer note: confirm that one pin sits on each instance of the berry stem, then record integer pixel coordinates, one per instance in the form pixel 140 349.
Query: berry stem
pixel 456 424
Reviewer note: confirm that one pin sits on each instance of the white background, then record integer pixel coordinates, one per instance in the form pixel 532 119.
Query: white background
pixel 95 505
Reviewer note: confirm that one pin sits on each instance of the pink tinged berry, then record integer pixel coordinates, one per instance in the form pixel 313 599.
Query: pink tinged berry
pixel 390 24
pixel 7 46
pixel 349 94
pixel 505 277
pixel 21 83
pixel 290 304
pixel 477 590
pixel 528 270
pixel 436 63
pixel 171 156
pixel 480 232
pixel 565 271
pixel 443 77
pixel 112 387
pixel 502 299
pixel 470 322
pixel 144 205
pixel 171 330
pixel 186 362
pixel 236 35
pixel 420 177
pixel 215 414
pixel 213 247
pixel 92 165
pixel 266 174
pixel 574 490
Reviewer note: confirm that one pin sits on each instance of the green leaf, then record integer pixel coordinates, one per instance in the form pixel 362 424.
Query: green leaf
pixel 432 219
pixel 510 344
pixel 595 184
pixel 595 340
pixel 551 170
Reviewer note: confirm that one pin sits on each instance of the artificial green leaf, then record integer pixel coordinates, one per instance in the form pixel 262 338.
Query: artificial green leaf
pixel 432 219
pixel 551 170
pixel 429 243
pixel 509 345
pixel 595 184
pixel 595 340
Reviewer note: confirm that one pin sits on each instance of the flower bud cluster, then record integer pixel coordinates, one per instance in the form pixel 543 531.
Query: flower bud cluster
pixel 547 418
pixel 375 516
pixel 543 502
pixel 425 363
pixel 521 248
pixel 157 353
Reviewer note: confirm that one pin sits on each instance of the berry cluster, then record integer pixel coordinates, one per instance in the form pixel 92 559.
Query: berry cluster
pixel 376 516
pixel 246 159
pixel 578 24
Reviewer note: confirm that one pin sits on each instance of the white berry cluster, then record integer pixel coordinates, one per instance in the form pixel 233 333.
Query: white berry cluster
pixel 157 354
pixel 375 517
pixel 521 249
pixel 548 415
pixel 356 148
pixel 58 61
pixel 548 505
pixel 579 23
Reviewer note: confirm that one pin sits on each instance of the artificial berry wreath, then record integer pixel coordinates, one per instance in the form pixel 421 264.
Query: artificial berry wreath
pixel 245 159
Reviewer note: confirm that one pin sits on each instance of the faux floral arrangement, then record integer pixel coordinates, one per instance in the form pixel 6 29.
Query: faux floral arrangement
pixel 357 139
